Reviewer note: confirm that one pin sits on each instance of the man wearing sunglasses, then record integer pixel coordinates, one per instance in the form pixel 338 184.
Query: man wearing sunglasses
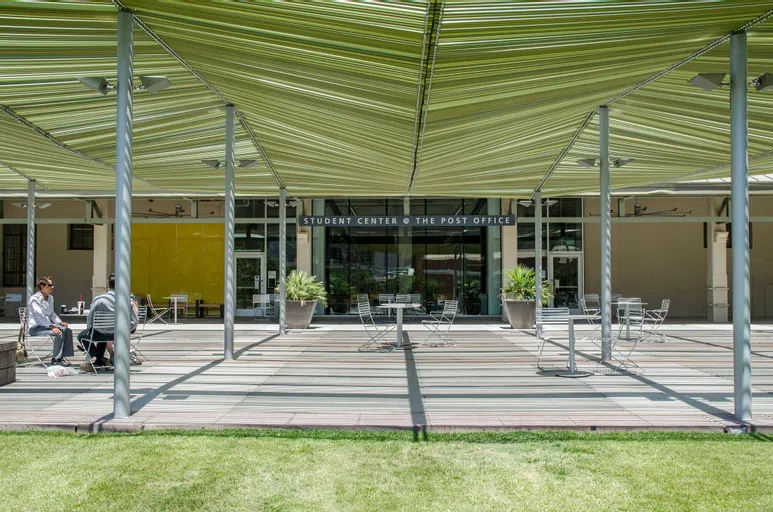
pixel 42 321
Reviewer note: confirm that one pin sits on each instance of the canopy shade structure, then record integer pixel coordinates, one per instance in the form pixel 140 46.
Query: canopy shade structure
pixel 379 99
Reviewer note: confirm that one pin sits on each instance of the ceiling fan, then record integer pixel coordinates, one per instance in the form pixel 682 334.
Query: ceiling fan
pixel 178 212
pixel 641 211
pixel 40 206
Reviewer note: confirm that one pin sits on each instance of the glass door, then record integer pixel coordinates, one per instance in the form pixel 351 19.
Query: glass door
pixel 250 280
pixel 565 275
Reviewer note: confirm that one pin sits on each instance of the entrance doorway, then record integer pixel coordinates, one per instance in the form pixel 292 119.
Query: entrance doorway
pixel 565 274
pixel 250 280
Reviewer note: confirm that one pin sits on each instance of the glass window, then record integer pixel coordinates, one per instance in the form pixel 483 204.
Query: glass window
pixel 272 208
pixel 565 236
pixel 272 253
pixel 80 237
pixel 566 207
pixel 250 237
pixel 14 255
pixel 250 208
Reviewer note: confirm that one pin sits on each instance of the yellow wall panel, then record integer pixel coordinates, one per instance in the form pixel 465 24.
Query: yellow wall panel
pixel 163 261
pixel 189 260
pixel 212 273
pixel 183 258
pixel 141 259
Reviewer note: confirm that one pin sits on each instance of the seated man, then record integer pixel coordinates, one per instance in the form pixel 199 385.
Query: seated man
pixel 105 336
pixel 42 321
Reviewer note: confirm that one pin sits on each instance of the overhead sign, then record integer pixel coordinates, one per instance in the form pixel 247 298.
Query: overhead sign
pixel 380 221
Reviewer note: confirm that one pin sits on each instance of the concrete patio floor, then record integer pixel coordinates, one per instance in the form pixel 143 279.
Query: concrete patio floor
pixel 317 378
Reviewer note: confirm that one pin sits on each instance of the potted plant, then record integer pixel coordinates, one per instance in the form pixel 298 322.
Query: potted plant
pixel 303 292
pixel 519 296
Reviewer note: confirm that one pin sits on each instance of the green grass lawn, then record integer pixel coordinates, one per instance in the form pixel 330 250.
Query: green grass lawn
pixel 338 471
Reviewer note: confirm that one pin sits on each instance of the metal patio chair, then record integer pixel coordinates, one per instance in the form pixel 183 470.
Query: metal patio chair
pixel 102 320
pixel 441 324
pixel 262 306
pixel 553 319
pixel 155 313
pixel 386 298
pixel 373 331
pixel 135 339
pixel 591 311
pixel 36 344
pixel 630 314
pixel 653 319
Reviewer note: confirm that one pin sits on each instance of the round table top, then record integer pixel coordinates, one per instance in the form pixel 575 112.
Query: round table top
pixel 400 305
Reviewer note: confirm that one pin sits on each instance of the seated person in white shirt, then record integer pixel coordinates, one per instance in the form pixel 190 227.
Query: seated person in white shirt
pixel 41 321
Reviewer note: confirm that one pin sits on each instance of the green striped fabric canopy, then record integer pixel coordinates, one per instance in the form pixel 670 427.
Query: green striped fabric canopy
pixel 378 98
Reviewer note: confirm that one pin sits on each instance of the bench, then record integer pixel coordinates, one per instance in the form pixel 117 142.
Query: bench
pixel 203 308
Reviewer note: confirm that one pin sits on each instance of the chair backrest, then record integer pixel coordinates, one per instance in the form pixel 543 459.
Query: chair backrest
pixel 402 298
pixel 553 317
pixel 261 299
pixel 616 297
pixel 664 305
pixel 414 298
pixel 142 314
pixel 591 299
pixel 363 308
pixel 103 320
pixel 450 308
pixel 181 297
pixel 386 297
pixel 363 297
pixel 23 318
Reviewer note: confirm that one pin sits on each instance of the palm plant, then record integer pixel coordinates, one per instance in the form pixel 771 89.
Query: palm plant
pixel 303 287
pixel 521 284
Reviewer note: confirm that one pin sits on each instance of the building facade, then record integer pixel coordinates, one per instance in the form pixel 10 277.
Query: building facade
pixel 661 248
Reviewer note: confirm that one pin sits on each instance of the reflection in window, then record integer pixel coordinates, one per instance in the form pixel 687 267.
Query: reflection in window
pixel 250 237
pixel 437 263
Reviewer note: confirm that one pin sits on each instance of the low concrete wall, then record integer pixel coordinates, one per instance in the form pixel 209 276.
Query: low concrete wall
pixel 7 362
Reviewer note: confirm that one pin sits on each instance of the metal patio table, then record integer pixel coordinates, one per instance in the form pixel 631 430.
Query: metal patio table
pixel 572 364
pixel 399 307
pixel 173 299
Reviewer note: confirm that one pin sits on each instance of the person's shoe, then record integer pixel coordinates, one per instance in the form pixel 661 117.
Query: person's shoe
pixel 65 362
pixel 100 363
pixel 80 348
pixel 57 362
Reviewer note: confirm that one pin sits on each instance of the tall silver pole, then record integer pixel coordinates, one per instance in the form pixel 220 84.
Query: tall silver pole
pixel 606 236
pixel 538 257
pixel 229 293
pixel 30 240
pixel 739 159
pixel 282 260
pixel 123 217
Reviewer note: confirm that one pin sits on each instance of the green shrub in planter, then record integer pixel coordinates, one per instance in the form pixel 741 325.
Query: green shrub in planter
pixel 519 296
pixel 303 293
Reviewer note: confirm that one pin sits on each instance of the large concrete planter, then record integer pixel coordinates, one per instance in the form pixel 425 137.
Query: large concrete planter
pixel 522 314
pixel 7 362
pixel 299 313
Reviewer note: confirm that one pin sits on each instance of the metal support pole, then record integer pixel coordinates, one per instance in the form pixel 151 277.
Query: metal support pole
pixel 30 240
pixel 538 258
pixel 282 260
pixel 606 236
pixel 123 218
pixel 229 292
pixel 739 161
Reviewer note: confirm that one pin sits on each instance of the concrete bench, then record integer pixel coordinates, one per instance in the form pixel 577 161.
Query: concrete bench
pixel 7 362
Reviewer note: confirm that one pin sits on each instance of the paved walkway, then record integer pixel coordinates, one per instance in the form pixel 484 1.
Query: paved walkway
pixel 317 378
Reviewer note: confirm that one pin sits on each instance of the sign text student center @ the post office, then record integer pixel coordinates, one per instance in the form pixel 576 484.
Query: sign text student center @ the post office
pixel 377 221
